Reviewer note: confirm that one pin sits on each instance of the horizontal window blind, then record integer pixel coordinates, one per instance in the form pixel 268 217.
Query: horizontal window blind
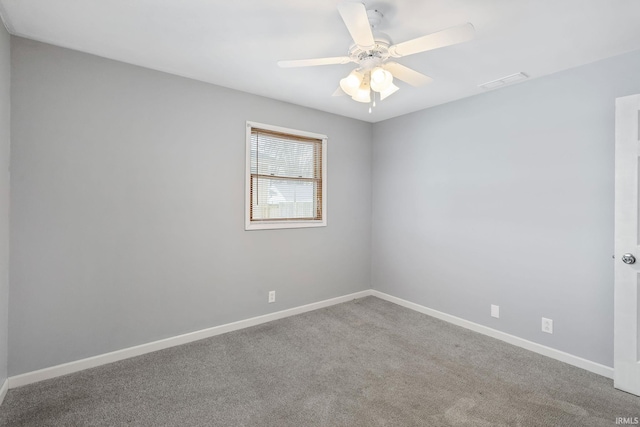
pixel 286 177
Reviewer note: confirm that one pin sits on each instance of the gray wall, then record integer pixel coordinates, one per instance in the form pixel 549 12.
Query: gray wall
pixel 507 198
pixel 128 199
pixel 5 109
pixel 128 208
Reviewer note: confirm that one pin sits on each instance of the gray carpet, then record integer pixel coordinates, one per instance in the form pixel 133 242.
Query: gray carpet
pixel 363 363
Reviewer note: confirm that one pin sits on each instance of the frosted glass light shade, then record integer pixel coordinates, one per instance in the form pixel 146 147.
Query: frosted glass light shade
pixel 351 83
pixel 362 95
pixel 388 91
pixel 381 79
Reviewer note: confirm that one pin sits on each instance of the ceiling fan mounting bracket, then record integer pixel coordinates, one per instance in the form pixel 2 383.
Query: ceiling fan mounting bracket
pixel 375 17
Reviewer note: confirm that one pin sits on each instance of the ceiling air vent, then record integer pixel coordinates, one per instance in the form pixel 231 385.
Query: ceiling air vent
pixel 503 81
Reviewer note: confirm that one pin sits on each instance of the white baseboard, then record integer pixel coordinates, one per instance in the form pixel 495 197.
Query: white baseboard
pixel 3 390
pixel 579 362
pixel 103 359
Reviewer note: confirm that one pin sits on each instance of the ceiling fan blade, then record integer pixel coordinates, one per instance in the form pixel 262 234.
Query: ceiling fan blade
pixel 339 92
pixel 406 74
pixel 355 18
pixel 313 62
pixel 443 38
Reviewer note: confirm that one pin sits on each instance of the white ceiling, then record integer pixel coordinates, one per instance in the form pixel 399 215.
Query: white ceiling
pixel 237 43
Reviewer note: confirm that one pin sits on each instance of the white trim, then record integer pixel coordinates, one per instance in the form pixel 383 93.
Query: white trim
pixel 3 390
pixel 577 361
pixel 270 225
pixel 282 129
pixel 274 225
pixel 103 359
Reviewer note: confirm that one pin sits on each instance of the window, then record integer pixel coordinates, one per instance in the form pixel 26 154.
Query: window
pixel 285 179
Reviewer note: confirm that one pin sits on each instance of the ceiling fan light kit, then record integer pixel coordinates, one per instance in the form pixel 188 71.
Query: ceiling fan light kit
pixel 359 85
pixel 372 50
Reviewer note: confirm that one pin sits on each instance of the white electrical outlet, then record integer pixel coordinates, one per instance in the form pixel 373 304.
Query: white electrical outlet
pixel 272 296
pixel 547 325
pixel 495 311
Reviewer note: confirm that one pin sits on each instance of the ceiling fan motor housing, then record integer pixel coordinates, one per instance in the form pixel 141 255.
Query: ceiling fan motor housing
pixel 369 58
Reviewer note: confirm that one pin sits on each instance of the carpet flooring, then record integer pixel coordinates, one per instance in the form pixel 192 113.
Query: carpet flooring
pixel 367 362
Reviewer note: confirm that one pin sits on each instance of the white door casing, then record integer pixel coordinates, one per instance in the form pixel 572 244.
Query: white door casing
pixel 627 241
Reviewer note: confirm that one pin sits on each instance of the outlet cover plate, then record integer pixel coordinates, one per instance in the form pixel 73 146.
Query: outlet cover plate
pixel 495 311
pixel 547 325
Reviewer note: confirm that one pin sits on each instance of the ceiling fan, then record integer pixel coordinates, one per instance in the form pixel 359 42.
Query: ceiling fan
pixel 371 51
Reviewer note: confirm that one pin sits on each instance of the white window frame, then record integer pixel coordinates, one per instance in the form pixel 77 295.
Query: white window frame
pixel 279 224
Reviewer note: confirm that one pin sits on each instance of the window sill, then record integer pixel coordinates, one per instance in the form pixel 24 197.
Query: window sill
pixel 275 225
